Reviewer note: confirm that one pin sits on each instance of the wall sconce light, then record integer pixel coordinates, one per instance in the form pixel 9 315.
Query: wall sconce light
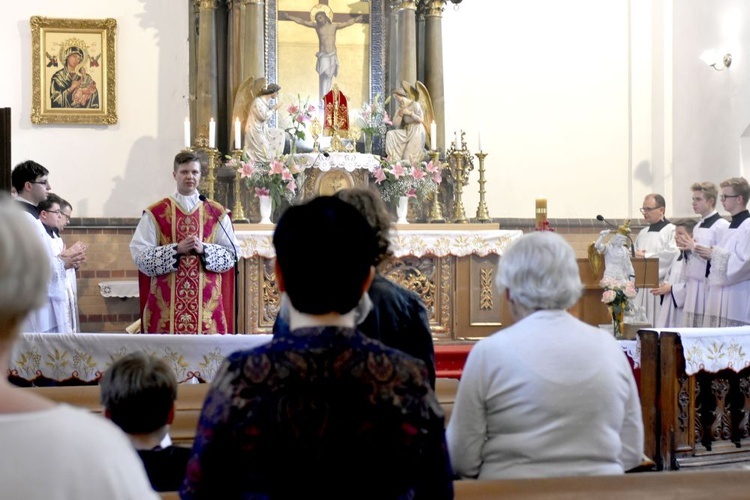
pixel 715 60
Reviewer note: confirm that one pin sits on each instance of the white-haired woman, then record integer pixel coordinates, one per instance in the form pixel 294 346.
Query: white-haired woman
pixel 50 450
pixel 549 395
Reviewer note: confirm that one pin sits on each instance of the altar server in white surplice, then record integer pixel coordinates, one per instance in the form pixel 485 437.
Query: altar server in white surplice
pixel 708 232
pixel 671 293
pixel 31 181
pixel 728 301
pixel 656 240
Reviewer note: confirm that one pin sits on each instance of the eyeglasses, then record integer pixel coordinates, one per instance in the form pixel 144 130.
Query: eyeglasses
pixel 67 216
pixel 43 183
pixel 645 210
pixel 723 197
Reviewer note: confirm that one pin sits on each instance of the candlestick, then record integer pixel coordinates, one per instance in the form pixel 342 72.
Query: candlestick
pixel 212 134
pixel 186 131
pixel 237 135
pixel 479 141
pixel 238 213
pixel 541 212
pixel 433 136
pixel 483 214
pixel 436 211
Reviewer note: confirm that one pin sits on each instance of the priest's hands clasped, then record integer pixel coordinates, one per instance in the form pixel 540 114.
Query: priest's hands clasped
pixel 191 244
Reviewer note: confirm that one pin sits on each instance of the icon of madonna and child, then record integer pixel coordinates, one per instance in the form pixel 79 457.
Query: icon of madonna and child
pixel 72 86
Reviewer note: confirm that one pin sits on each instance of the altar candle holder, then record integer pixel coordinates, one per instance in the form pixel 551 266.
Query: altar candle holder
pixel 483 214
pixel 458 171
pixel 213 157
pixel 238 212
pixel 436 211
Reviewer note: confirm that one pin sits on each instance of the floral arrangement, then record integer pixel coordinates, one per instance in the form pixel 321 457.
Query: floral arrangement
pixel 300 113
pixel 373 117
pixel 617 295
pixel 400 178
pixel 279 179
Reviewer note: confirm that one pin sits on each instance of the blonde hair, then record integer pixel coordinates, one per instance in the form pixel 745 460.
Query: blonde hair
pixel 24 268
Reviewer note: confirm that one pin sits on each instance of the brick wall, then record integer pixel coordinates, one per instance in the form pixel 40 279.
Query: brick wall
pixel 109 258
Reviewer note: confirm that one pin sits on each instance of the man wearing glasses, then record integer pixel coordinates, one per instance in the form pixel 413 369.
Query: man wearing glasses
pixel 63 291
pixel 656 240
pixel 31 183
pixel 727 303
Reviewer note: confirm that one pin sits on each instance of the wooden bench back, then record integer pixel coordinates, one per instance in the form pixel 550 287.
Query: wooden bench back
pixel 723 484
pixel 190 402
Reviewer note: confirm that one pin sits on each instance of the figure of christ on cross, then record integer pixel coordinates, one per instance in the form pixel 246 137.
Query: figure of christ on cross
pixel 327 66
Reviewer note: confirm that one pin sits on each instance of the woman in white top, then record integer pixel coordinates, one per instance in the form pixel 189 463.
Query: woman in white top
pixel 50 450
pixel 549 395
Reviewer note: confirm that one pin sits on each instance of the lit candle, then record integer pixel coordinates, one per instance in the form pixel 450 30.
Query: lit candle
pixel 433 136
pixel 479 140
pixel 455 139
pixel 212 134
pixel 237 136
pixel 541 212
pixel 187 132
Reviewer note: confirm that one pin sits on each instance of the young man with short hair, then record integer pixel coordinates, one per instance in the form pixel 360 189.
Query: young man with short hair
pixel 707 232
pixel 727 303
pixel 183 243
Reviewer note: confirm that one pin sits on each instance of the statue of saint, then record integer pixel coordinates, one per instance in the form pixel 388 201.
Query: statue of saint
pixel 262 143
pixel 616 252
pixel 408 140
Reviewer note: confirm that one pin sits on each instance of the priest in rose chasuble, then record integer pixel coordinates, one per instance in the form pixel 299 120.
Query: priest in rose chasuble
pixel 180 246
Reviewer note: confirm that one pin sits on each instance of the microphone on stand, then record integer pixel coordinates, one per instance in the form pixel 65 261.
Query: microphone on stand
pixel 601 218
pixel 234 249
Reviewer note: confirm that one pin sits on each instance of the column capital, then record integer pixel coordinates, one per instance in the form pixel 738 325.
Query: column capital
pixel 434 8
pixel 253 2
pixel 207 4
pixel 403 5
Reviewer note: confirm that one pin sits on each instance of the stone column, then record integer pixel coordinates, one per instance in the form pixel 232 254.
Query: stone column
pixel 434 66
pixel 254 48
pixel 405 65
pixel 234 51
pixel 207 86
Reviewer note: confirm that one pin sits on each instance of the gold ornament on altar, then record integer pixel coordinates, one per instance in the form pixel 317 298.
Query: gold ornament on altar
pixel 315 129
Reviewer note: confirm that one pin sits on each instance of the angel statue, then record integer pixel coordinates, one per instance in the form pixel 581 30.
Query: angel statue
pixel 412 119
pixel 616 253
pixel 254 105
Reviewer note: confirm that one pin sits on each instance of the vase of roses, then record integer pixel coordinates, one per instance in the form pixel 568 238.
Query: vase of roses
pixel 300 113
pixel 398 181
pixel 272 182
pixel 373 119
pixel 617 295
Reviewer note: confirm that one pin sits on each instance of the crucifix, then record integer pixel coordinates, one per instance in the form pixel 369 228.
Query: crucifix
pixel 326 24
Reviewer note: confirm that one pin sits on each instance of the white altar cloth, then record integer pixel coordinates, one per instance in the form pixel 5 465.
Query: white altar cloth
pixel 405 242
pixel 347 161
pixel 85 356
pixel 714 349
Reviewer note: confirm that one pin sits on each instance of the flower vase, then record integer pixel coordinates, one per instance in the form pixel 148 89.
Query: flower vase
pixel 264 203
pixel 401 210
pixel 368 144
pixel 617 319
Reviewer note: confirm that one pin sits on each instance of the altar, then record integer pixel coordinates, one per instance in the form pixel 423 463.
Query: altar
pixel 452 267
pixel 328 172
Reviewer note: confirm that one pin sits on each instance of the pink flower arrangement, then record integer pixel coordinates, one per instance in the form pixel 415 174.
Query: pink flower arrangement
pixel 278 179
pixel 618 295
pixel 300 114
pixel 373 117
pixel 400 178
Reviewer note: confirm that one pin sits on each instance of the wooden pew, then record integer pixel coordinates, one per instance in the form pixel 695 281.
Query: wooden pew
pixel 723 484
pixel 187 407
pixel 190 401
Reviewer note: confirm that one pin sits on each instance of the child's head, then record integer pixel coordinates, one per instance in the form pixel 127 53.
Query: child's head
pixel 684 227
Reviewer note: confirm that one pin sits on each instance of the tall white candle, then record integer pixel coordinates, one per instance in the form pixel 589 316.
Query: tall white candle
pixel 433 136
pixel 237 136
pixel 212 134
pixel 186 130
pixel 479 140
